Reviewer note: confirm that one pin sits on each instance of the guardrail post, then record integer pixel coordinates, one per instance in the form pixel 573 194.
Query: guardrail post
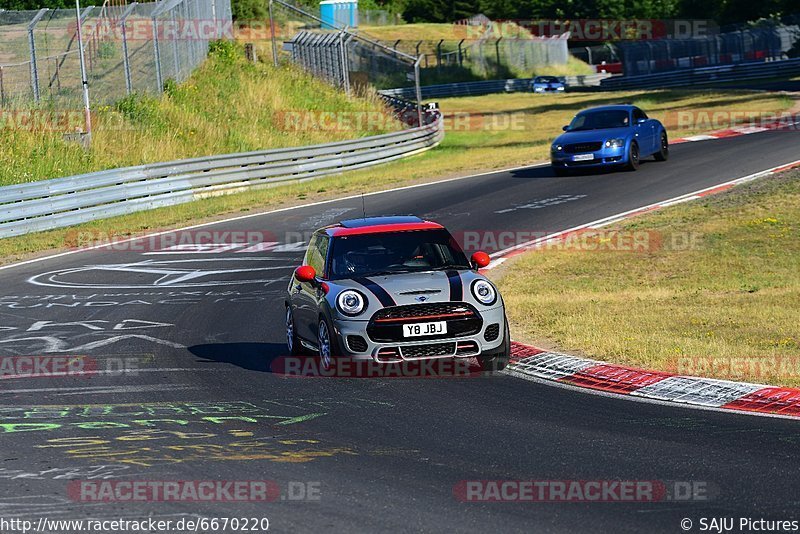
pixel 32 47
pixel 126 61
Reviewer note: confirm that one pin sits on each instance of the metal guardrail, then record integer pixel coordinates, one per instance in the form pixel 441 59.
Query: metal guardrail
pixel 488 87
pixel 62 202
pixel 705 75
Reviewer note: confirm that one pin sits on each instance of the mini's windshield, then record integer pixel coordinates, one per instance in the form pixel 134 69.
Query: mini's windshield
pixel 546 79
pixel 398 252
pixel 600 120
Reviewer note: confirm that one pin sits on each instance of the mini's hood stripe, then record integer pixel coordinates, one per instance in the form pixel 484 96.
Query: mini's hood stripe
pixel 381 294
pixel 456 286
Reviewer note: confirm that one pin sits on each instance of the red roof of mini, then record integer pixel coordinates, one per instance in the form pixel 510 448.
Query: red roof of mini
pixel 381 225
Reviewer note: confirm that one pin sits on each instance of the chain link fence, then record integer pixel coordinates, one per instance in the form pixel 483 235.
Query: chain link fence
pixel 128 47
pixel 349 60
pixel 648 57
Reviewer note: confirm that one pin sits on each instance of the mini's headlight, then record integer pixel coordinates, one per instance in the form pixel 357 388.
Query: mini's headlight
pixel 557 148
pixel 484 292
pixel 351 302
pixel 560 87
pixel 615 143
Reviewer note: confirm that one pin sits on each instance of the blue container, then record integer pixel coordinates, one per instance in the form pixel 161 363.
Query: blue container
pixel 338 14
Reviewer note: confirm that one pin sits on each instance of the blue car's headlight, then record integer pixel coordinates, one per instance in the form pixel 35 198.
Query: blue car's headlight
pixel 615 143
pixel 556 148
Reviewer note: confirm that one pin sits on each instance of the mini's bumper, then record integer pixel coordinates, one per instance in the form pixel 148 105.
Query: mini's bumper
pixel 356 343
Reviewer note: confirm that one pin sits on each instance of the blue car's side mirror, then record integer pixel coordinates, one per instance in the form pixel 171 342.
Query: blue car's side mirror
pixel 565 128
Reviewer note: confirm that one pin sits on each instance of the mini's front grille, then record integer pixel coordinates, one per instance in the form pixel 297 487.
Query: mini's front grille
pixel 423 311
pixel 428 351
pixel 492 332
pixel 387 324
pixel 357 344
pixel 582 147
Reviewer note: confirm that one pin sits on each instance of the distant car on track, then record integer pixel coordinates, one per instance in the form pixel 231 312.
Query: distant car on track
pixel 605 136
pixel 547 84
pixel 394 289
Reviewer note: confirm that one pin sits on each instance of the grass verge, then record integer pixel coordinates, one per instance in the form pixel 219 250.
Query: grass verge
pixel 719 296
pixel 228 105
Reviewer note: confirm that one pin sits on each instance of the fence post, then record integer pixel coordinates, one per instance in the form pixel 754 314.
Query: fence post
pixel 272 35
pixel 439 54
pixel 2 87
pixel 126 61
pixel 157 51
pixel 32 46
pixel 58 73
pixel 175 60
pixel 84 77
pixel 497 52
pixel 460 53
pixel 418 87
pixel 345 68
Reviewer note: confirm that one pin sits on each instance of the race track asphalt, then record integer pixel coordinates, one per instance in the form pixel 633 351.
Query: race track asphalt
pixel 386 454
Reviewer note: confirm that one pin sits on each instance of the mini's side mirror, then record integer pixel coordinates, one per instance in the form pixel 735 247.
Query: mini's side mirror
pixel 565 128
pixel 481 260
pixel 641 121
pixel 306 274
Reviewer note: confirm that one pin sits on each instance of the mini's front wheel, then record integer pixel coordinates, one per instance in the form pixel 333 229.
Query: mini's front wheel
pixel 498 362
pixel 325 343
pixel 292 341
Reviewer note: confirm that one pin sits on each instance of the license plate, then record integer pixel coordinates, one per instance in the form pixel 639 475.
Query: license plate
pixel 583 157
pixel 425 329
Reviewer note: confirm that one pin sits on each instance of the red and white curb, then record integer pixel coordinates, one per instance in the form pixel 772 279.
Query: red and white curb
pixel 501 256
pixel 776 125
pixel 654 385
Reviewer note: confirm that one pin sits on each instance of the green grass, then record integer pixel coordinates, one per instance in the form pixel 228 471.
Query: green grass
pixel 727 306
pixel 227 106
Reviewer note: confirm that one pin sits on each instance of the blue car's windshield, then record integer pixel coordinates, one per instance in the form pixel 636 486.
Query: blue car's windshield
pixel 546 79
pixel 599 120
pixel 395 252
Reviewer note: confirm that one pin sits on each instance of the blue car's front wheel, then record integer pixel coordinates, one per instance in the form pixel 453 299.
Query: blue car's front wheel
pixel 663 152
pixel 633 156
